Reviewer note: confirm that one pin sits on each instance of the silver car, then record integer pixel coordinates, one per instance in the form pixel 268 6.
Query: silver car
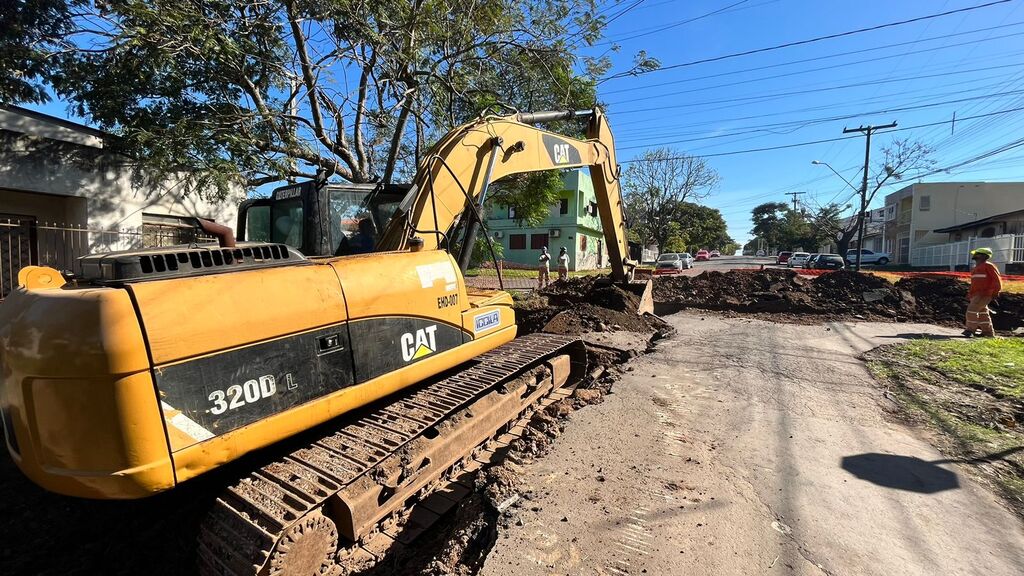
pixel 673 263
pixel 797 259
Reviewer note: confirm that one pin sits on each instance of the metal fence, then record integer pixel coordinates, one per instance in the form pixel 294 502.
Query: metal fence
pixel 1006 249
pixel 26 242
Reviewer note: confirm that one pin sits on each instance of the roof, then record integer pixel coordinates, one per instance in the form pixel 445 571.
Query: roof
pixel 976 223
pixel 25 121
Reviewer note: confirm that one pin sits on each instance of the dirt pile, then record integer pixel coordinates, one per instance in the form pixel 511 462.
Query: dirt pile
pixel 943 300
pixel 839 295
pixel 582 305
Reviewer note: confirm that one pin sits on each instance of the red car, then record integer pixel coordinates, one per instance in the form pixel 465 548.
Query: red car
pixel 703 255
pixel 783 257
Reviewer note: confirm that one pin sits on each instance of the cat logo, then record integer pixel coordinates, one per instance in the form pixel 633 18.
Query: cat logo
pixel 420 344
pixel 560 153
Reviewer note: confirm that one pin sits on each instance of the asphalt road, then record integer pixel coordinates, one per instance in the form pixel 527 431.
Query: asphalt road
pixel 746 447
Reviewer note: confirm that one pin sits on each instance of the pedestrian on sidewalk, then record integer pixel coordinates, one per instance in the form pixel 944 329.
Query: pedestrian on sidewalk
pixel 563 264
pixel 985 285
pixel 542 268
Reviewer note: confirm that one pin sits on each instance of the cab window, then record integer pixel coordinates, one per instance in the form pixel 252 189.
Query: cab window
pixel 286 222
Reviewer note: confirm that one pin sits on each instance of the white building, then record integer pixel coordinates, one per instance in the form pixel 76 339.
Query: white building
pixel 63 195
pixel 915 214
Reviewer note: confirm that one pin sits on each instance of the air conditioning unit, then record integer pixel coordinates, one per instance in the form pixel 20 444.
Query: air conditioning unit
pixel 554 233
pixel 499 234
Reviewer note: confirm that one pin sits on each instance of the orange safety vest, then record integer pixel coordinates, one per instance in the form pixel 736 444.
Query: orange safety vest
pixel 985 280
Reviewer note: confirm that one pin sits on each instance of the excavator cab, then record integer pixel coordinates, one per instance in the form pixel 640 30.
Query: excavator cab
pixel 320 219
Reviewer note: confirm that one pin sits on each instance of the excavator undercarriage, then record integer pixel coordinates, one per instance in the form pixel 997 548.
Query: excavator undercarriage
pixel 340 502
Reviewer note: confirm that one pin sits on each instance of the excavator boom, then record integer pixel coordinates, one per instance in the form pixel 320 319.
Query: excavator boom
pixel 454 175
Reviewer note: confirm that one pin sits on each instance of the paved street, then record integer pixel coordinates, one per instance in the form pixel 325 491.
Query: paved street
pixel 745 447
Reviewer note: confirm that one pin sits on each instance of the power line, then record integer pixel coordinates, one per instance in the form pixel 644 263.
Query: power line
pixel 837 55
pixel 800 144
pixel 673 25
pixel 807 41
pixel 760 97
pixel 823 68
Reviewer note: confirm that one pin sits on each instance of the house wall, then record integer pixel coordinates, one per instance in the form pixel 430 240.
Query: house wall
pixel 919 209
pixel 578 231
pixel 75 184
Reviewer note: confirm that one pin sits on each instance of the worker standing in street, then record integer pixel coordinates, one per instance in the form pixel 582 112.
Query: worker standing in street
pixel 542 267
pixel 563 264
pixel 985 285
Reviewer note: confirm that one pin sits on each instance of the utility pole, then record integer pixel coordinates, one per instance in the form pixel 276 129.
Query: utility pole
pixel 867 131
pixel 794 195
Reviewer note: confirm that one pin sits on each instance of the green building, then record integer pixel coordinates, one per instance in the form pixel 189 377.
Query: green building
pixel 572 223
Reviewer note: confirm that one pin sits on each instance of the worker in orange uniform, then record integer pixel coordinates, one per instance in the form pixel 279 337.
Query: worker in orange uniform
pixel 985 285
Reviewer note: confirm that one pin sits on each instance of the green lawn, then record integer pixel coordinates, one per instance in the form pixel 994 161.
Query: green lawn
pixel 997 363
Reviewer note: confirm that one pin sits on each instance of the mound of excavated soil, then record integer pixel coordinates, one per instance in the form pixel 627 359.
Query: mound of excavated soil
pixel 582 305
pixel 943 300
pixel 839 295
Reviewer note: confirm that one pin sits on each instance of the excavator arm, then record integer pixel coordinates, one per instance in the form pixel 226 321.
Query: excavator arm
pixel 454 176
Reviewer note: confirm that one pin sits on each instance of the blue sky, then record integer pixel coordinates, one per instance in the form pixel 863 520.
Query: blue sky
pixel 975 57
pixel 970 64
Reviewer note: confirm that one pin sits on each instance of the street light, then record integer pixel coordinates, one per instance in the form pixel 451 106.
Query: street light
pixel 829 166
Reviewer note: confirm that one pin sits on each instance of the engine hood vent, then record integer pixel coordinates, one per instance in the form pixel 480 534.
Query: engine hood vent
pixel 181 261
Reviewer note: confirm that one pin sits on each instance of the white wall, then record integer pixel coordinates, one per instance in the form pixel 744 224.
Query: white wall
pixel 115 193
pixel 953 203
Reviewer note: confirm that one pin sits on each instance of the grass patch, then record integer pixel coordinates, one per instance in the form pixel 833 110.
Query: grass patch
pixel 516 273
pixel 972 393
pixel 996 363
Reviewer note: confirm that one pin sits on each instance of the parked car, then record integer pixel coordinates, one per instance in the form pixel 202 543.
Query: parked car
pixel 672 263
pixel 760 253
pixel 703 256
pixel 868 257
pixel 715 253
pixel 829 262
pixel 797 259
pixel 809 262
pixel 783 257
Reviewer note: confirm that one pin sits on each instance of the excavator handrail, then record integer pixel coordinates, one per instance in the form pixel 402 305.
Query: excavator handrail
pixel 489 148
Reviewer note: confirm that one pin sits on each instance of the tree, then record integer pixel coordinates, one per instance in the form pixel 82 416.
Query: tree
pixel 704 227
pixel 656 187
pixel 900 157
pixel 768 219
pixel 234 91
pixel 31 34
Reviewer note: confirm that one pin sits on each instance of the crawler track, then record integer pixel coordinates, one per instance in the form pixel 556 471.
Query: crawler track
pixel 347 495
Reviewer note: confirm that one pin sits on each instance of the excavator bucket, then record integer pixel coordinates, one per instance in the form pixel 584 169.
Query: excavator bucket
pixel 643 290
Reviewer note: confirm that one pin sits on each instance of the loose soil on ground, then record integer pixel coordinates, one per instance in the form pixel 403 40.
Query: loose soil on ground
pixel 784 296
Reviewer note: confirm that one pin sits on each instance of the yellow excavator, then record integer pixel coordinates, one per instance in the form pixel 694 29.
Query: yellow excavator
pixel 152 367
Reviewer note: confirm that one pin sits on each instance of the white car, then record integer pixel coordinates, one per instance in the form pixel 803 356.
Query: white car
pixel 797 259
pixel 760 253
pixel 868 257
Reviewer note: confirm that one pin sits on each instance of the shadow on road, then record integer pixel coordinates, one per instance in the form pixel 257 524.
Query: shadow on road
pixel 920 336
pixel 911 473
pixel 901 472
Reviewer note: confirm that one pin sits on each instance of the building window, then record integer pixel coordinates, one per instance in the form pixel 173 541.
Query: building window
pixel 517 241
pixel 511 213
pixel 592 209
pixel 538 241
pixel 925 203
pixel 563 206
pixel 988 232
pixel 583 243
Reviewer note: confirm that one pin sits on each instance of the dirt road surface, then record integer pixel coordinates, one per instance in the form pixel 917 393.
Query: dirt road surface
pixel 746 447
